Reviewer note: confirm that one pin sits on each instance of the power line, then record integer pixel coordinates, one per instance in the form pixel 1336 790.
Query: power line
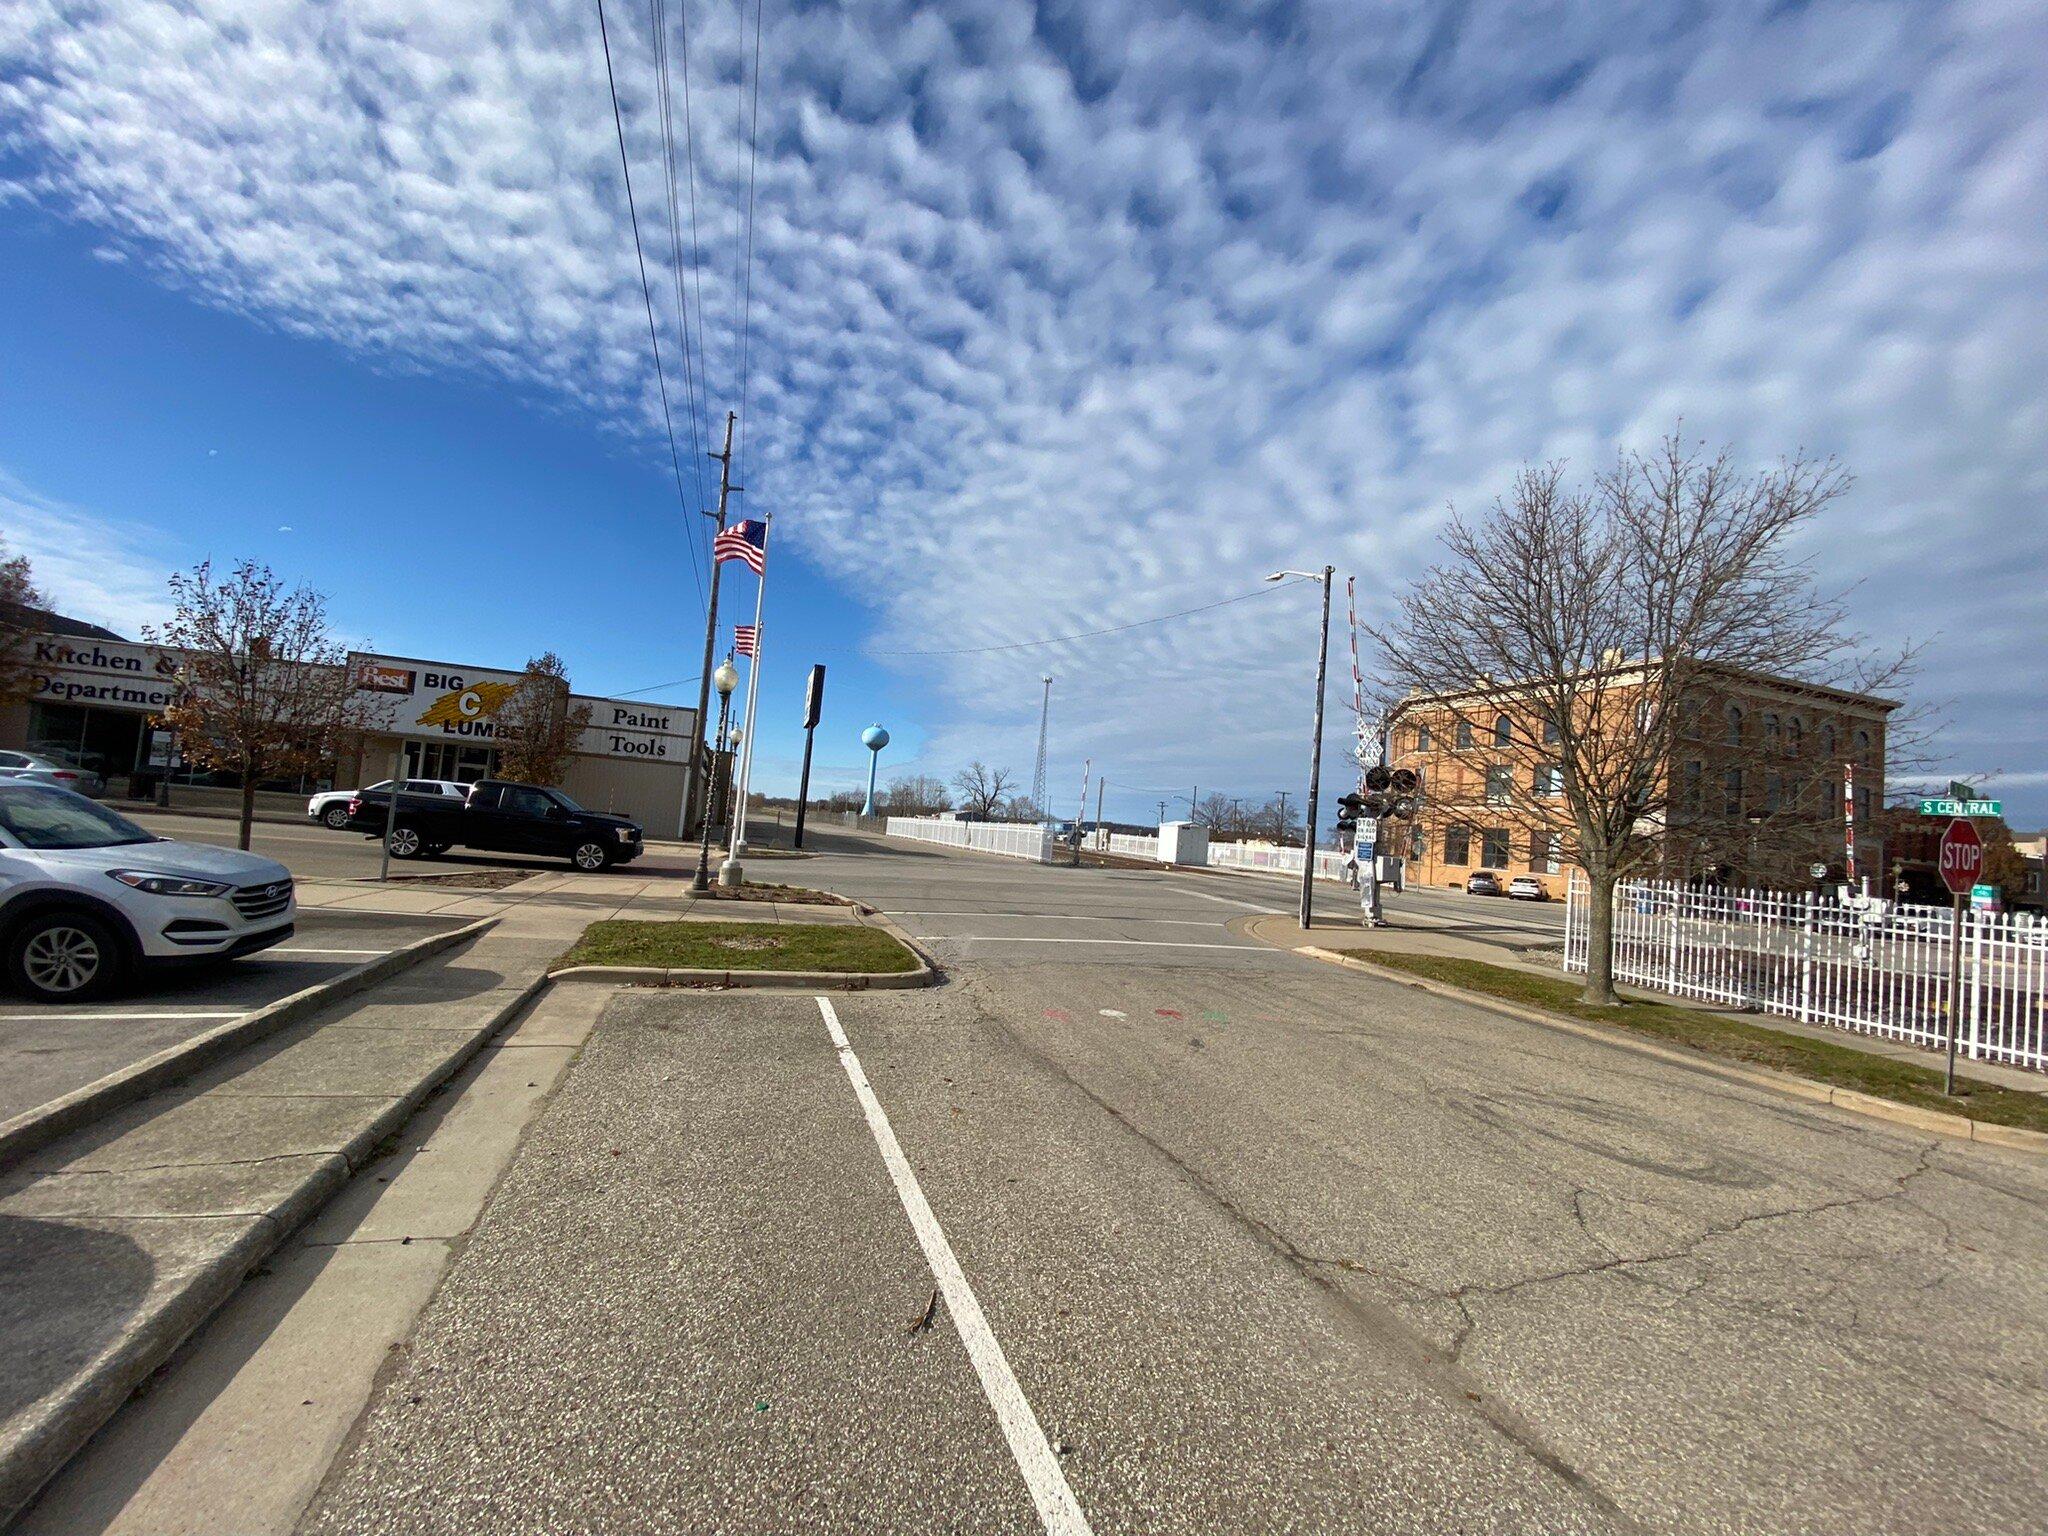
pixel 747 290
pixel 657 16
pixel 646 293
pixel 634 693
pixel 1090 634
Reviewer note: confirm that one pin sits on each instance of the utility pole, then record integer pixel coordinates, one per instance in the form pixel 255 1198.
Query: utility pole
pixel 1315 761
pixel 1038 805
pixel 1162 813
pixel 1282 838
pixel 690 774
pixel 1081 810
pixel 1101 841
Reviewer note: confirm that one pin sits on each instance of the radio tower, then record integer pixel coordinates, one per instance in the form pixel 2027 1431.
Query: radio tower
pixel 1038 769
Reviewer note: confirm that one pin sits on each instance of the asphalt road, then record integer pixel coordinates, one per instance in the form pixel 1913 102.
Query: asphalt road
pixel 1256 1244
pixel 48 1050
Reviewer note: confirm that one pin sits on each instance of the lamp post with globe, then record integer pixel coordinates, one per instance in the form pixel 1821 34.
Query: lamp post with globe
pixel 725 679
pixel 874 738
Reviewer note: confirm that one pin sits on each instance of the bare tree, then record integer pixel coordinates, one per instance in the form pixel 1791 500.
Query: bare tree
pixel 916 794
pixel 1597 651
pixel 536 730
pixel 983 788
pixel 263 689
pixel 21 602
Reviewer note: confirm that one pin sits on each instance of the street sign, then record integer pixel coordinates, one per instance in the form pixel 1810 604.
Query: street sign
pixel 1952 807
pixel 1983 896
pixel 1962 857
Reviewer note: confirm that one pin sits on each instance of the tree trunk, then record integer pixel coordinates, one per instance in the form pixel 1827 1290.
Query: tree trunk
pixel 248 804
pixel 1600 939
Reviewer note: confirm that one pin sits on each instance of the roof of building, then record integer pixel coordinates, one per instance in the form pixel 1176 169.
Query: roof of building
pixel 1621 672
pixel 43 620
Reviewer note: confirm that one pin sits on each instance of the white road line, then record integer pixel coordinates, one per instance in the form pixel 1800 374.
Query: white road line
pixel 66 1013
pixel 1230 901
pixel 1020 938
pixel 1058 1511
pixel 296 949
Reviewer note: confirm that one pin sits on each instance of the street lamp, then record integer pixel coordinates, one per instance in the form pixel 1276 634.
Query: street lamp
pixel 730 872
pixel 725 679
pixel 1315 747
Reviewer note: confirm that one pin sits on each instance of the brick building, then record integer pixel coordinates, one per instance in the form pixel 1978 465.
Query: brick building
pixel 1752 790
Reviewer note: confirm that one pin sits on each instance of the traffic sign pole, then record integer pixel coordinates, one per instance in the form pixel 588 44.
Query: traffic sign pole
pixel 1960 861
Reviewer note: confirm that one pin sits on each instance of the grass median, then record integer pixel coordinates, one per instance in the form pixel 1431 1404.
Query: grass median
pixel 843 947
pixel 1716 1034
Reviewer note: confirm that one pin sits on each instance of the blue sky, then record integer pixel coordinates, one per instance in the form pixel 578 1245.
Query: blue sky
pixel 1062 315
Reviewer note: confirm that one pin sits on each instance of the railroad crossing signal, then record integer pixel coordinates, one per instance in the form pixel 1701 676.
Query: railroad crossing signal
pixel 1962 857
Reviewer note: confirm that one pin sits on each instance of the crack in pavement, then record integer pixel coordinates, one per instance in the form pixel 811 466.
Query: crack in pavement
pixel 1409 1348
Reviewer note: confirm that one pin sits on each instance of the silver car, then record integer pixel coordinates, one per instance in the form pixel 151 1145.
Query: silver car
pixel 32 768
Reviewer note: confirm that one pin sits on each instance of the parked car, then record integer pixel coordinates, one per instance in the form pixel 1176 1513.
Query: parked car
pixel 33 768
pixel 330 806
pixel 1482 882
pixel 88 899
pixel 1527 888
pixel 500 817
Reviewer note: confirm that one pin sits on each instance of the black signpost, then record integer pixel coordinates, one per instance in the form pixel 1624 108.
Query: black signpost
pixel 814 700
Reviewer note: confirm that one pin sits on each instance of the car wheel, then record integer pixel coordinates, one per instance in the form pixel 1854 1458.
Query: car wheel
pixel 405 843
pixel 590 857
pixel 336 816
pixel 65 957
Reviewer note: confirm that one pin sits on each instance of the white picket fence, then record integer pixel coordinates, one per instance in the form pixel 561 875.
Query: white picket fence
pixel 1329 862
pixel 1018 840
pixel 1877 970
pixel 1132 845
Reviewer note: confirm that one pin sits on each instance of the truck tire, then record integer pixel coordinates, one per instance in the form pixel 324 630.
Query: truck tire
pixel 66 956
pixel 405 842
pixel 590 856
pixel 336 815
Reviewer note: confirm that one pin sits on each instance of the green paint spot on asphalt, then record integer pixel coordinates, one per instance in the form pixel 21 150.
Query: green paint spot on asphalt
pixel 1215 1016
pixel 761 1407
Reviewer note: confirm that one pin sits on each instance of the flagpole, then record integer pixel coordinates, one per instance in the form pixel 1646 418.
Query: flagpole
pixel 738 846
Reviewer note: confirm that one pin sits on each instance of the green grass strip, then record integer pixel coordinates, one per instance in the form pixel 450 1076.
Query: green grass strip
pixel 740 947
pixel 1731 1039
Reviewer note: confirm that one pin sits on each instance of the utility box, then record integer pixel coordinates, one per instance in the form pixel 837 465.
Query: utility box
pixel 1183 842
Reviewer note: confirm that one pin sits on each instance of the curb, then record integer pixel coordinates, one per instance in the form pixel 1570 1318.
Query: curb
pixel 40 1126
pixel 67 1421
pixel 1937 1122
pixel 809 981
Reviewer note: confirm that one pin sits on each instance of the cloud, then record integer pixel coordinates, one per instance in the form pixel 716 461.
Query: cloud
pixel 1062 315
pixel 93 568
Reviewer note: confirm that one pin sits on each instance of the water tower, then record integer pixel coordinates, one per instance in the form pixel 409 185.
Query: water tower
pixel 874 738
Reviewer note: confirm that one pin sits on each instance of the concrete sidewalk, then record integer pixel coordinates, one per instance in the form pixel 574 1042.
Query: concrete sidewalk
pixel 119 1239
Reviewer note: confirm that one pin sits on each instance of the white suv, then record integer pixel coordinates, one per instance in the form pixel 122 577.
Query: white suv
pixel 87 897
pixel 330 806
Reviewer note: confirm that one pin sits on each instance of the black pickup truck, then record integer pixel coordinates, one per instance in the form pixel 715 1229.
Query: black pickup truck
pixel 500 817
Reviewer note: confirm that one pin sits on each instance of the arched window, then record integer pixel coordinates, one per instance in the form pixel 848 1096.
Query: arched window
pixel 1863 746
pixel 1827 742
pixel 1771 737
pixel 1464 734
pixel 1793 732
pixel 1503 731
pixel 1422 738
pixel 1550 733
pixel 1734 726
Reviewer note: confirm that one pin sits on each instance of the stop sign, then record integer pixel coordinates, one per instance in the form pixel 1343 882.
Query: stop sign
pixel 1962 857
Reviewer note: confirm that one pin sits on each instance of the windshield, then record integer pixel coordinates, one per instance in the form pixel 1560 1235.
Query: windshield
pixel 39 817
pixel 563 800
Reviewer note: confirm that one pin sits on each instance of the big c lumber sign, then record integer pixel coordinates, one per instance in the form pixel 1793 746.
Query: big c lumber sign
pixel 1962 857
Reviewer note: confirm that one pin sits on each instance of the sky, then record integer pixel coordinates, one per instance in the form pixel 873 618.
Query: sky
pixel 1047 318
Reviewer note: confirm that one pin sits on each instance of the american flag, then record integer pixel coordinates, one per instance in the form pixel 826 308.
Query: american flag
pixel 744 639
pixel 746 541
